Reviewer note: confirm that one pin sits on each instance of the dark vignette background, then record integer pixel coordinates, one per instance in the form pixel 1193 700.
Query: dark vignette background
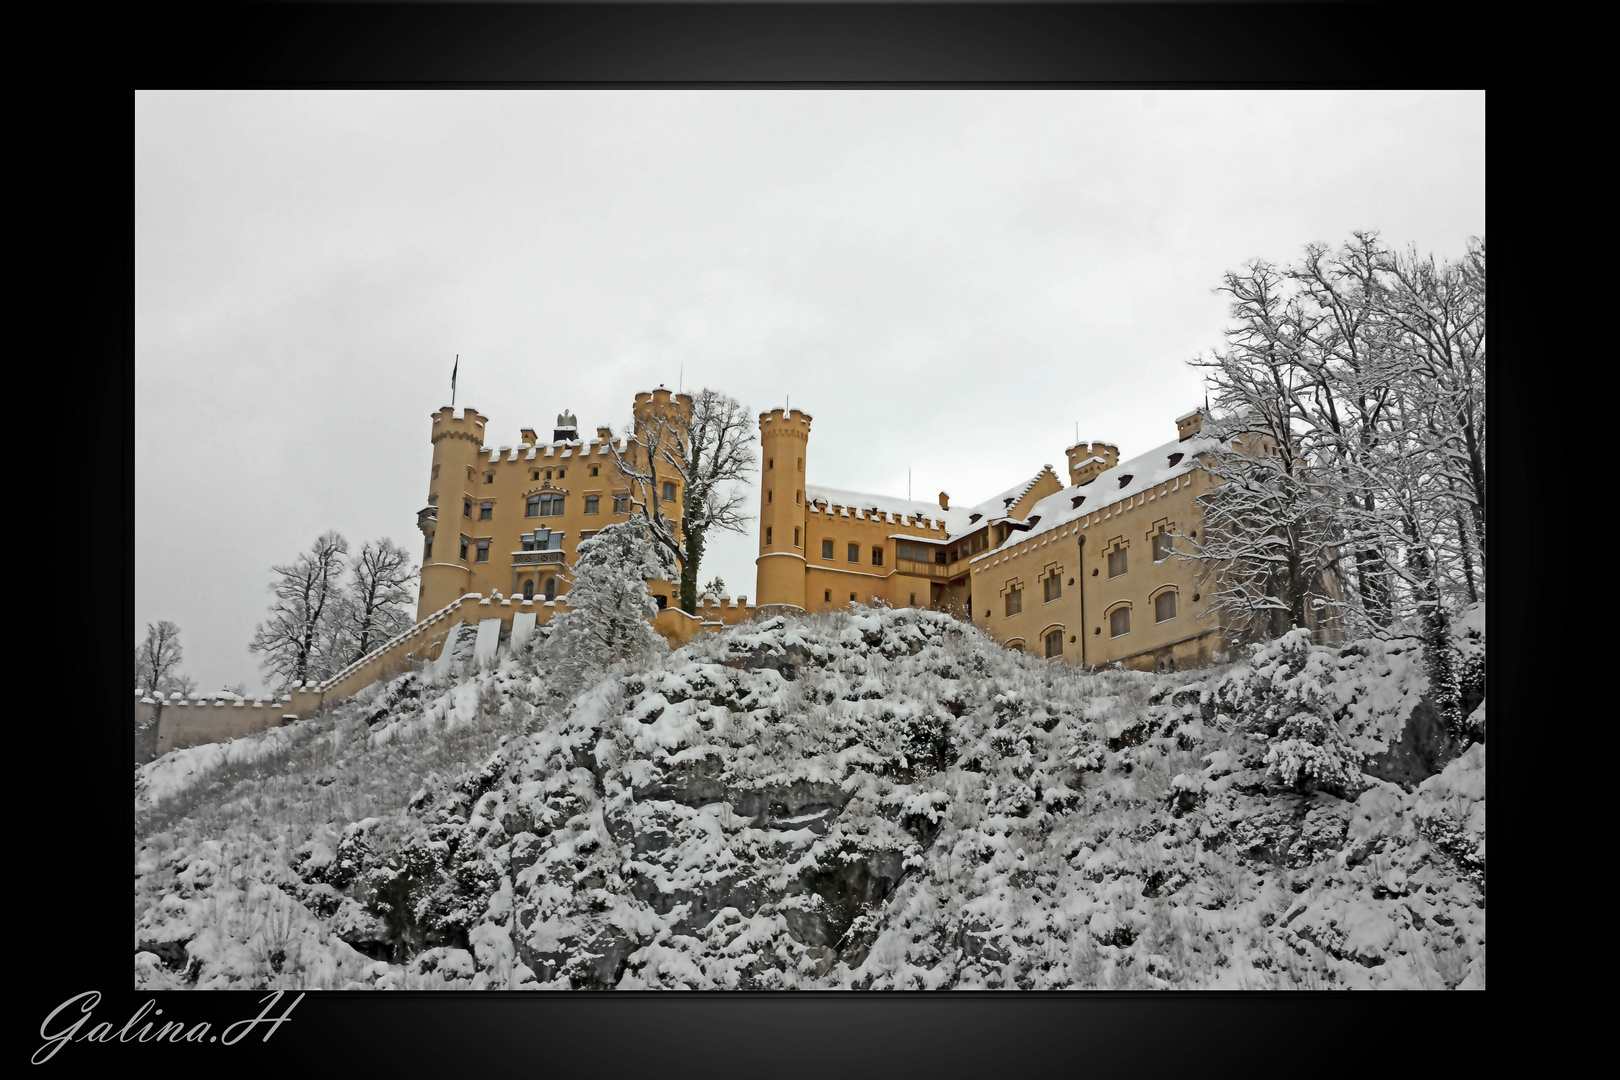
pixel 70 882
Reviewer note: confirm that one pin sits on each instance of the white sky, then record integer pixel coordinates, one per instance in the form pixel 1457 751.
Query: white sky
pixel 947 281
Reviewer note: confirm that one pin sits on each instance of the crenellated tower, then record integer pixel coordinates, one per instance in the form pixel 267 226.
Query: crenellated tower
pixel 457 438
pixel 1086 460
pixel 783 436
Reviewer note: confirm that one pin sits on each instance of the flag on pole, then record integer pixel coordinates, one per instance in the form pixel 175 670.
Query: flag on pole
pixel 453 371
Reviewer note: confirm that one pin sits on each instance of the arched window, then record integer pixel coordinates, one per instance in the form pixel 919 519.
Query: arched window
pixel 1016 645
pixel 1119 622
pixel 1054 643
pixel 551 588
pixel 528 589
pixel 1164 606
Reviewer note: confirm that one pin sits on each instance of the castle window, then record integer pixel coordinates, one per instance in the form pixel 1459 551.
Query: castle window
pixel 561 473
pixel 770 463
pixel 1015 601
pixel 489 478
pixel 593 504
pixel 852 598
pixel 801 464
pixel 913 599
pixel 464 544
pixel 661 600
pixel 1015 646
pixel 1054 644
pixel 669 491
pixel 486 511
pixel 621 504
pixel 877 556
pixel 768 496
pixel 826 594
pixel 528 589
pixel 767 536
pixel 435 472
pixel 1116 562
pixel 548 474
pixel 595 469
pixel 796 536
pixel 1163 544
pixel 1053 588
pixel 466 508
pixel 1119 622
pixel 534 475
pixel 798 498
pixel 1164 606
pixel 551 588
pixel 826 549
pixel 855 553
pixel 427 549
pixel 543 505
pixel 483 551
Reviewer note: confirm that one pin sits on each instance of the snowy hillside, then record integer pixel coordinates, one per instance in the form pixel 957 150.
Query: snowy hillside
pixel 875 800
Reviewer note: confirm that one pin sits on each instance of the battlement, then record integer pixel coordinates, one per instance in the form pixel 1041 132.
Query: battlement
pixel 467 424
pixel 1087 459
pixel 781 421
pixel 661 400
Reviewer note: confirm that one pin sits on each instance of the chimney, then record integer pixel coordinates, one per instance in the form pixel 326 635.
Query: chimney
pixel 604 434
pixel 944 500
pixel 530 437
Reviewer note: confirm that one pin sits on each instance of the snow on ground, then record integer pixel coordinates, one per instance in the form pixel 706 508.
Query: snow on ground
pixel 883 798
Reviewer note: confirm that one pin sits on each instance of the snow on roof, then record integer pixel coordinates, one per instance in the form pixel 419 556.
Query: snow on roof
pixel 957 520
pixel 1189 415
pixel 1143 471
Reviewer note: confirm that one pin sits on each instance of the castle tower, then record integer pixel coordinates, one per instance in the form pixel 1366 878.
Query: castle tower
pixel 445 573
pixel 783 438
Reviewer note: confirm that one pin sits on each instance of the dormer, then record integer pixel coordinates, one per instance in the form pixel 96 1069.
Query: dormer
pixel 1190 425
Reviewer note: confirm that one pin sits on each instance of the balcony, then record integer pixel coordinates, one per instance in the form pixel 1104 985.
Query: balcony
pixel 931 569
pixel 537 558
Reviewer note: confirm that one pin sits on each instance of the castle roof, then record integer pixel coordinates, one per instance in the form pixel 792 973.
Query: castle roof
pixel 957 520
pixel 1139 474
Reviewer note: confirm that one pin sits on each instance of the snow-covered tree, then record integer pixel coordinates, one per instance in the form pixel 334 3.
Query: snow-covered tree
pixel 378 601
pixel 609 607
pixel 299 639
pixel 1359 375
pixel 711 451
pixel 157 660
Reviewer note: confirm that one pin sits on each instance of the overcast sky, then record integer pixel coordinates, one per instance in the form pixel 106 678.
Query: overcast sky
pixel 947 281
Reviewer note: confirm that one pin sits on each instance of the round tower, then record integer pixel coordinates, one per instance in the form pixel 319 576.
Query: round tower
pixel 445 573
pixel 783 437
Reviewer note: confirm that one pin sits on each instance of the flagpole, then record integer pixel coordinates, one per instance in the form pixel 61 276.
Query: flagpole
pixel 453 371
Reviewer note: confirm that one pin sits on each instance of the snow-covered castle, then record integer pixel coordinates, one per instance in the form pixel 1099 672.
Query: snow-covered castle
pixel 1084 571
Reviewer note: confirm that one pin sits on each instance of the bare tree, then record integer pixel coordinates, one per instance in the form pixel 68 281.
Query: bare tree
pixel 157 660
pixel 378 601
pixel 297 638
pixel 710 451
